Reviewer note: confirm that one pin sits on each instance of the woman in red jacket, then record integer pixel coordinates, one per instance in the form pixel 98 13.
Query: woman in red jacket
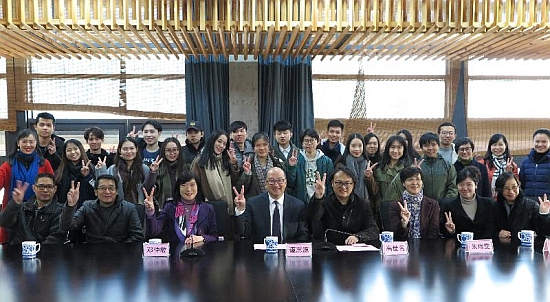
pixel 22 164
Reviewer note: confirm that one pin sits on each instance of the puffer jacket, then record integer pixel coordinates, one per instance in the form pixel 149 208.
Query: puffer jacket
pixel 535 176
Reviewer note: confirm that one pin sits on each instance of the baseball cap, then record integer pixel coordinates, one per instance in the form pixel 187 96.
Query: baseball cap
pixel 193 125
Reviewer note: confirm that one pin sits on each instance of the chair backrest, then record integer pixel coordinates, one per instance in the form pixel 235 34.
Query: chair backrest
pixel 222 218
pixel 385 215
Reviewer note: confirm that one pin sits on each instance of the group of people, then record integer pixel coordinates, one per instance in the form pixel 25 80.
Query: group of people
pixel 56 192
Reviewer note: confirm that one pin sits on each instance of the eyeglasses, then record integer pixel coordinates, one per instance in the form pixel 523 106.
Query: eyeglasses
pixel 309 141
pixel 447 133
pixel 43 186
pixel 172 151
pixel 279 181
pixel 514 188
pixel 341 184
pixel 465 149
pixel 109 188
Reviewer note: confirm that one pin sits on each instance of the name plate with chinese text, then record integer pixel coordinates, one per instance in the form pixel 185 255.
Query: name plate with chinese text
pixel 299 249
pixel 482 246
pixel 546 247
pixel 156 249
pixel 395 248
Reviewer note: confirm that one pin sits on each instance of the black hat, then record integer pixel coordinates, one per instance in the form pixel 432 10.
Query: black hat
pixel 193 125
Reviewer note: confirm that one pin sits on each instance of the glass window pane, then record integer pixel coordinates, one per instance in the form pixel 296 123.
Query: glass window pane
pixel 508 68
pixel 156 95
pixel 3 99
pixel 511 98
pixel 74 66
pixel 99 92
pixel 379 67
pixel 162 66
pixel 2 65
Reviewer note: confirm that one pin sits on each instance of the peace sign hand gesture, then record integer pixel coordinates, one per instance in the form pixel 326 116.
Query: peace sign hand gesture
pixel 320 185
pixel 154 167
pixel 149 202
pixel 18 193
pixel 449 224
pixel 371 128
pixel 133 133
pixel 544 207
pixel 247 166
pixel 51 147
pixel 101 163
pixel 370 169
pixel 417 164
pixel 293 159
pixel 73 194
pixel 405 214
pixel 232 155
pixel 240 201
pixel 509 165
pixel 85 170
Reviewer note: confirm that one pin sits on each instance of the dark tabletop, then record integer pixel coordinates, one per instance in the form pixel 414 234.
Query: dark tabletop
pixel 435 270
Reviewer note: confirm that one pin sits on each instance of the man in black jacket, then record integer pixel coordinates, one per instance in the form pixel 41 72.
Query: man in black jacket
pixel 193 143
pixel 48 143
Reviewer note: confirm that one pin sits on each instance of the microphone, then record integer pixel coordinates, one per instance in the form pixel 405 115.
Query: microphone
pixel 328 246
pixel 192 252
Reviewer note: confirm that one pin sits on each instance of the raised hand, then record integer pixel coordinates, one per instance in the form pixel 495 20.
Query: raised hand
pixel 371 128
pixel 544 207
pixel 247 165
pixel 19 190
pixel 293 159
pixel 509 165
pixel 240 201
pixel 133 133
pixel 405 214
pixel 370 169
pixel 154 167
pixel 73 194
pixel 175 135
pixel 149 202
pixel 320 184
pixel 100 163
pixel 417 163
pixel 112 150
pixel 449 224
pixel 232 155
pixel 85 170
pixel 51 147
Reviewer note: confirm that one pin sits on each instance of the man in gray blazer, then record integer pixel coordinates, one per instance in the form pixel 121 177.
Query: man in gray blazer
pixel 271 214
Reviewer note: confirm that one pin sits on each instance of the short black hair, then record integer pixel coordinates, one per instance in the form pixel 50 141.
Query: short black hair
pixel 410 171
pixel 108 177
pixel 44 175
pixel 542 131
pixel 428 137
pixel 236 125
pixel 282 126
pixel 345 169
pixel 445 124
pixel 468 171
pixel 463 141
pixel 95 131
pixel 153 123
pixel 259 135
pixel 309 132
pixel 335 123
pixel 46 116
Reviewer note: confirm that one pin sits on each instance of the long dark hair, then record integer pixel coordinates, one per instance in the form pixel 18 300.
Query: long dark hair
pixel 180 161
pixel 182 178
pixel 488 158
pixel 377 156
pixel 207 157
pixel 65 161
pixel 342 158
pixel 386 158
pixel 130 176
pixel 501 182
pixel 410 143
pixel 21 135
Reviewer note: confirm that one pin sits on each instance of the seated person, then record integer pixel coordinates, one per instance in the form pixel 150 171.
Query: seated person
pixel 414 215
pixel 271 214
pixel 37 219
pixel 469 212
pixel 108 218
pixel 343 210
pixel 186 218
pixel 514 212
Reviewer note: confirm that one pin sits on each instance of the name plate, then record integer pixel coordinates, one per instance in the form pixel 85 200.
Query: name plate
pixel 395 248
pixel 546 247
pixel 156 249
pixel 298 249
pixel 482 246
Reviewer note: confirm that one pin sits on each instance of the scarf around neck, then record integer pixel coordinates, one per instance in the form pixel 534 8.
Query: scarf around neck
pixel 220 183
pixel 500 164
pixel 19 171
pixel 414 204
pixel 261 171
pixel 359 165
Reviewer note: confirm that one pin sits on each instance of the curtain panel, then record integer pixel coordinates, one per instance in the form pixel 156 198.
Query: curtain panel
pixel 207 92
pixel 285 93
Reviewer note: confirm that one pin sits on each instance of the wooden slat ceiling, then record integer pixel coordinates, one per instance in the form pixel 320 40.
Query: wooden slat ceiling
pixel 393 29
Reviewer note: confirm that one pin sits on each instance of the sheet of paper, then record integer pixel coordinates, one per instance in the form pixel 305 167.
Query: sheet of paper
pixel 261 246
pixel 359 247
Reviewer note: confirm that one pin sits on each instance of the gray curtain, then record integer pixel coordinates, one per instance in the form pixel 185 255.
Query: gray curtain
pixel 207 92
pixel 285 93
pixel 459 114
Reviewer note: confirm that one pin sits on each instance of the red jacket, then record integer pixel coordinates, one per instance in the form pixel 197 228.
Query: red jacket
pixel 5 179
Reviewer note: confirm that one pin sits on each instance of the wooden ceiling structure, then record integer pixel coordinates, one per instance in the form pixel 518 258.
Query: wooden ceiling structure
pixel 149 29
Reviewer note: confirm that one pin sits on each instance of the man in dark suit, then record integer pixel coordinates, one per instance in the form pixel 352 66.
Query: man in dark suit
pixel 262 216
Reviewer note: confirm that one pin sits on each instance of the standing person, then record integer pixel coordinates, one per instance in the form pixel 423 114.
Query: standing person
pixel 447 134
pixel 129 171
pixel 95 137
pixel 464 147
pixel 304 165
pixel 283 135
pixel 497 159
pixel 406 134
pixel 469 212
pixel 23 164
pixel 534 173
pixel 37 219
pixel 414 215
pixel 48 143
pixel 240 142
pixel 342 210
pixel 194 142
pixel 149 145
pixel 372 143
pixel 515 212
pixel 187 218
pixel 332 147
pixel 164 171
pixel 216 170
pixel 256 166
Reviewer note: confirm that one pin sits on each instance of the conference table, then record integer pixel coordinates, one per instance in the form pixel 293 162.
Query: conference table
pixel 434 270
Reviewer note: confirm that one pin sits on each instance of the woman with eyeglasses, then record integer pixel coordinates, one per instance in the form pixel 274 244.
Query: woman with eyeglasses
pixel 414 215
pixel 464 147
pixel 255 167
pixel 497 159
pixel 22 165
pixel 165 169
pixel 515 212
pixel 342 217
pixel 187 218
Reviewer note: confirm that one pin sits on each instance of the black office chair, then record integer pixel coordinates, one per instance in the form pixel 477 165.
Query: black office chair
pixel 385 215
pixel 222 218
